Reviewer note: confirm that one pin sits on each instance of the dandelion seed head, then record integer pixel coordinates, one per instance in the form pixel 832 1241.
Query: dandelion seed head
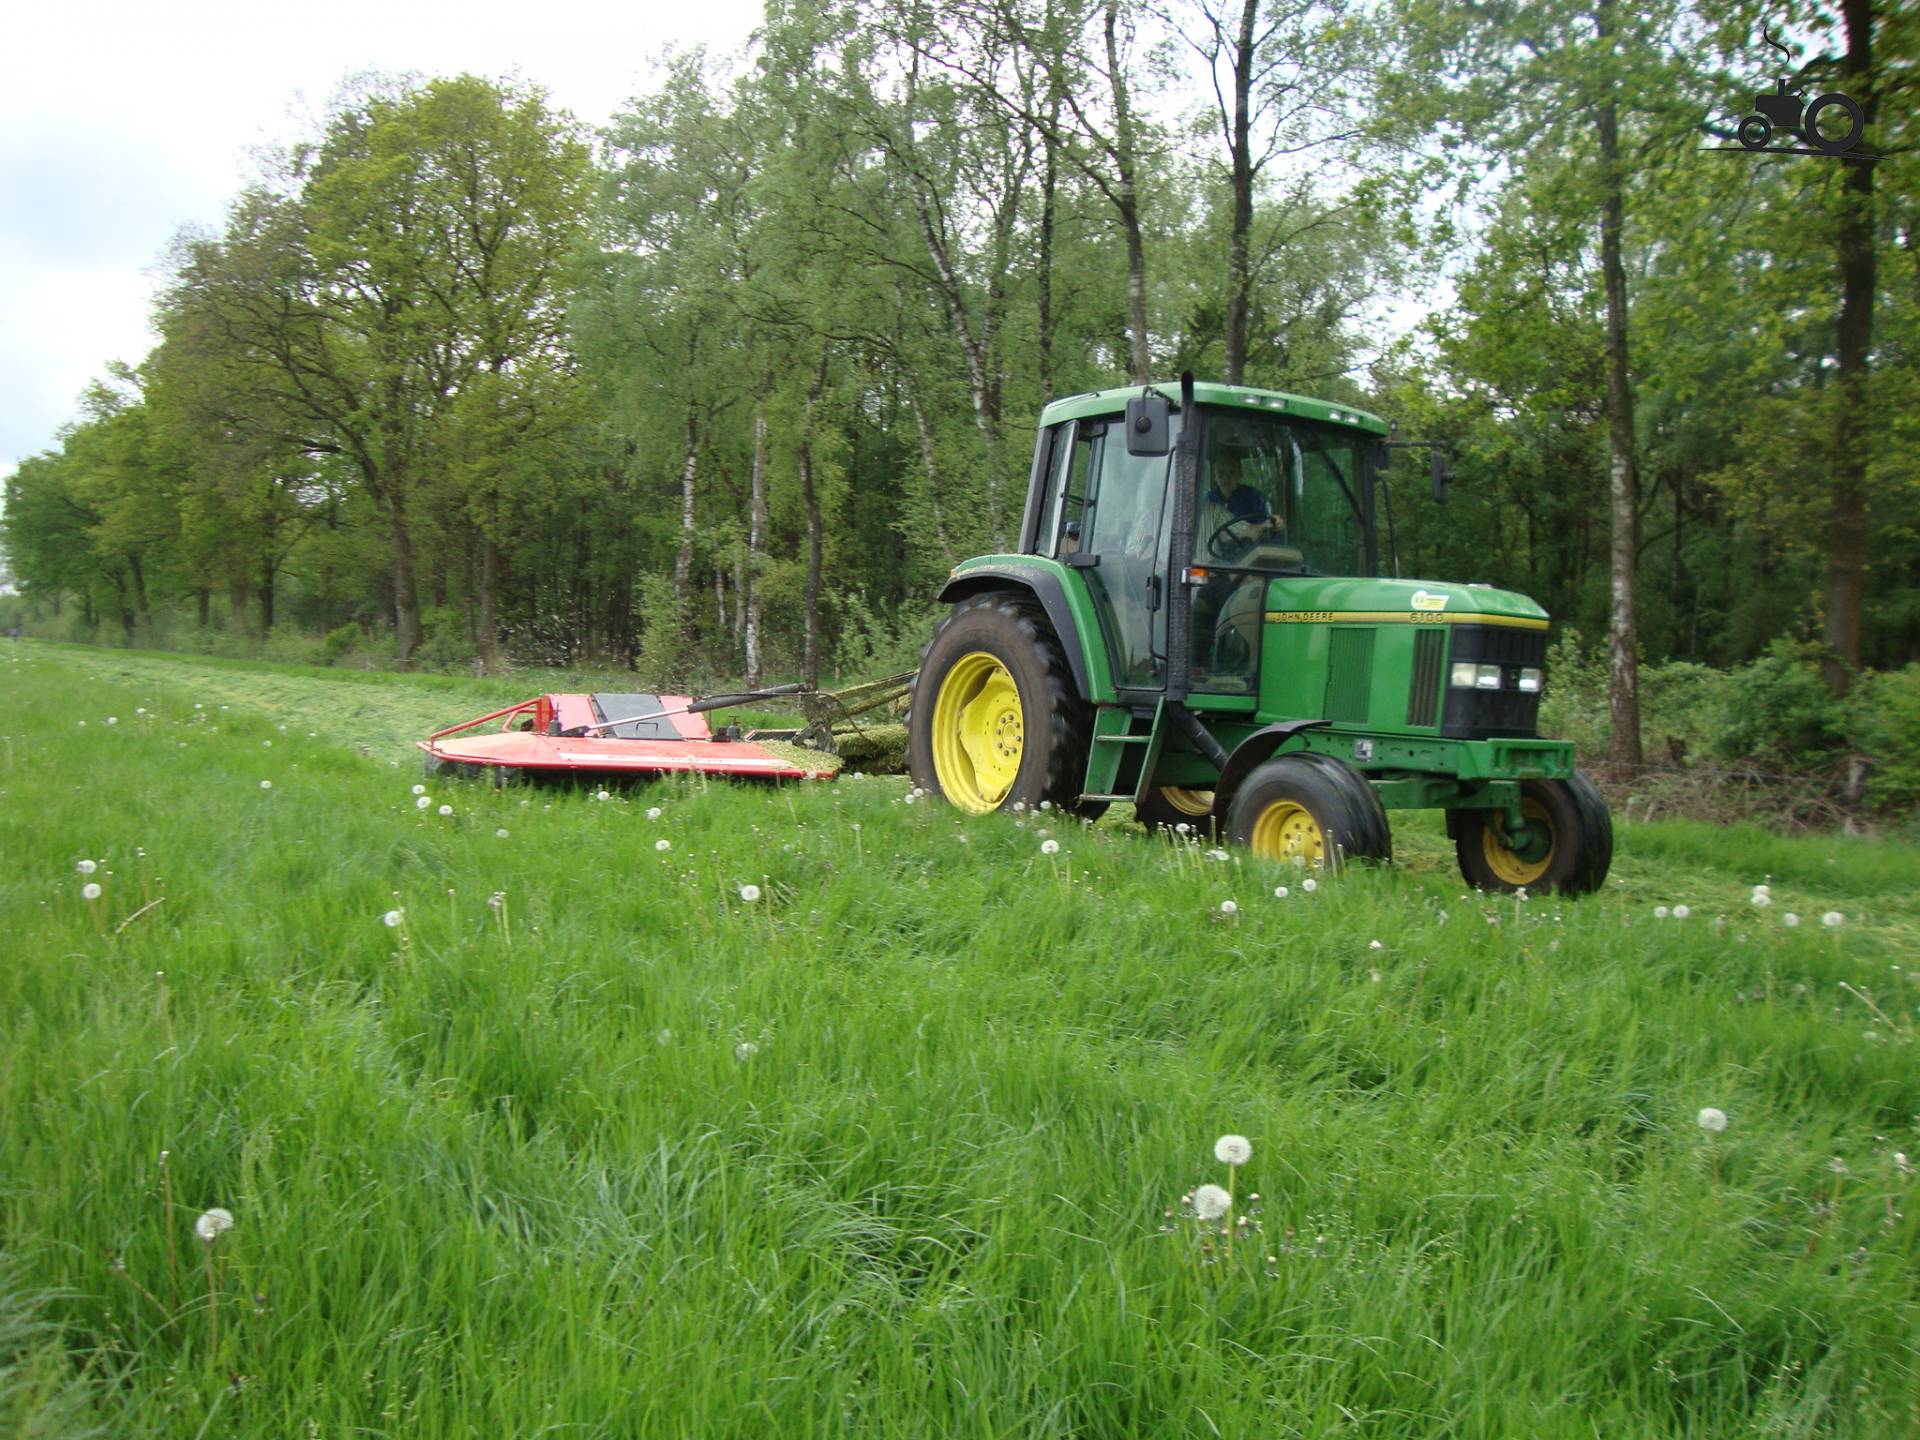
pixel 419 789
pixel 1681 912
pixel 665 1037
pixel 87 867
pixel 750 893
pixel 1790 920
pixel 1375 945
pixel 393 918
pixel 653 812
pixel 1228 907
pixel 1833 919
pixel 213 1223
pixel 90 891
pixel 1233 1149
pixel 1309 884
pixel 1712 1120
pixel 663 845
pixel 1280 892
pixel 446 809
pixel 745 1050
pixel 423 802
pixel 266 784
pixel 1660 912
pixel 1219 855
pixel 1210 1202
pixel 1762 899
pixel 1049 847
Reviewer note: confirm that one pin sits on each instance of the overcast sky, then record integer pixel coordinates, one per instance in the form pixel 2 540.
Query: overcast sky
pixel 120 123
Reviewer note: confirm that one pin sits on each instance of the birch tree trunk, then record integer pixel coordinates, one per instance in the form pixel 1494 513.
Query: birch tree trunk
pixel 1239 277
pixel 756 540
pixel 1127 201
pixel 683 559
pixel 1623 660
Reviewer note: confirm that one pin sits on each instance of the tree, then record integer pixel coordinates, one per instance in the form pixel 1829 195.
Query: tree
pixel 414 250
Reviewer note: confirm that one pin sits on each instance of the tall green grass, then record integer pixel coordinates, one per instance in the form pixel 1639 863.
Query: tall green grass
pixel 588 1144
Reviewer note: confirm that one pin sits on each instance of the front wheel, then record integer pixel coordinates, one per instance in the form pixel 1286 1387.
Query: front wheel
pixel 1311 811
pixel 1565 845
pixel 995 721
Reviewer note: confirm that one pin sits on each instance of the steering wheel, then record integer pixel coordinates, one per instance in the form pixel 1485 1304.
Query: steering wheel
pixel 1220 533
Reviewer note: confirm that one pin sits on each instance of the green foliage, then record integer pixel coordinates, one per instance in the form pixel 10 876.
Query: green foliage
pixel 1885 719
pixel 1777 711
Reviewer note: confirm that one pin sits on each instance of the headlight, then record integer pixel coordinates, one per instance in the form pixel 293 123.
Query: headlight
pixel 1463 673
pixel 1530 680
pixel 1488 678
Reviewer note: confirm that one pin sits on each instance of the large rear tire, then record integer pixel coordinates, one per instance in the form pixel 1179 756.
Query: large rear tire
pixel 995 721
pixel 1309 810
pixel 1567 850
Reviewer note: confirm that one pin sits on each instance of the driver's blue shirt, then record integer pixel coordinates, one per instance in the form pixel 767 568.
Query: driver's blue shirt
pixel 1246 503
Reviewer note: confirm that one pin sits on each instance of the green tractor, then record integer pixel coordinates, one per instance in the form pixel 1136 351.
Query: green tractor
pixel 1197 624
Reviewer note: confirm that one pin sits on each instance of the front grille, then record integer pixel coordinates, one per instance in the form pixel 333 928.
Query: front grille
pixel 1485 714
pixel 1429 665
pixel 1349 674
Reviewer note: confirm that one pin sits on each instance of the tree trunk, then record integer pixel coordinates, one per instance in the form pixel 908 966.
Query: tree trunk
pixel 203 596
pixel 683 559
pixel 489 647
pixel 1239 277
pixel 933 476
pixel 756 539
pixel 406 595
pixel 265 594
pixel 1623 660
pixel 1127 201
pixel 1853 428
pixel 810 499
pixel 139 588
pixel 1049 184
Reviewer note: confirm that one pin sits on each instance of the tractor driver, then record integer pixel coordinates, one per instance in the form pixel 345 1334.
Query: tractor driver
pixel 1233 518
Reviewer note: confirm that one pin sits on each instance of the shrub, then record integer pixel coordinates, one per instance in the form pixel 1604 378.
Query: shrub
pixel 1777 711
pixel 1884 710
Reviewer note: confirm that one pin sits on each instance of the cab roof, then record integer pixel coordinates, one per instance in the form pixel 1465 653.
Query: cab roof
pixel 1212 392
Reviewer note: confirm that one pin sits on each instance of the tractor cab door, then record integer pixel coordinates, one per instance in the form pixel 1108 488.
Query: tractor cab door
pixel 1121 513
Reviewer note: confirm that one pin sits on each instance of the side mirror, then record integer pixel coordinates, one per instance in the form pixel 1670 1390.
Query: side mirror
pixel 1148 424
pixel 1442 467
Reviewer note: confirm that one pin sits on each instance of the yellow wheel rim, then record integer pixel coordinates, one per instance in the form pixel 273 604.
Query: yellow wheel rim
pixel 978 733
pixel 1197 803
pixel 1286 830
pixel 1507 866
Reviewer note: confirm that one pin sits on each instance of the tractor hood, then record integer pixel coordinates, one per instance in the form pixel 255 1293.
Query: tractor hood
pixel 1324 599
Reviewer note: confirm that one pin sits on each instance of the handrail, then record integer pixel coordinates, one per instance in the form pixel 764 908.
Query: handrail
pixel 469 724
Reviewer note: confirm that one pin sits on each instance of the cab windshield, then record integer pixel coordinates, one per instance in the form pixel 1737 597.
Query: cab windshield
pixel 1282 495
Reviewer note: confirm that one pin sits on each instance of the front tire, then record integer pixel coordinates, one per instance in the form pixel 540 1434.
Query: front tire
pixel 1567 848
pixel 995 721
pixel 1309 810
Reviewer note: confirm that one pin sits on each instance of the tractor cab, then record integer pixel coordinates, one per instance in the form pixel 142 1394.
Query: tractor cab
pixel 1276 494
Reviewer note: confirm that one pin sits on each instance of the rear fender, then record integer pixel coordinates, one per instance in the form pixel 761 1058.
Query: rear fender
pixel 1043 585
pixel 1255 750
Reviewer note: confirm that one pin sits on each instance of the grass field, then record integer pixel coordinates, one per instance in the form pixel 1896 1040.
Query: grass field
pixel 587 1144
